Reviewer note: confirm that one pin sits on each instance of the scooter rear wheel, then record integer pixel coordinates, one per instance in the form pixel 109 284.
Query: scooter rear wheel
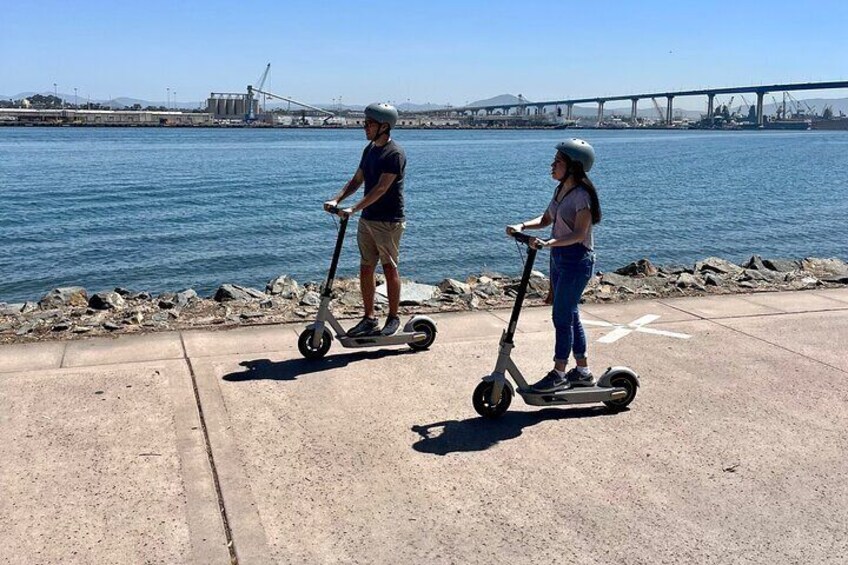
pixel 425 327
pixel 482 400
pixel 629 384
pixel 304 344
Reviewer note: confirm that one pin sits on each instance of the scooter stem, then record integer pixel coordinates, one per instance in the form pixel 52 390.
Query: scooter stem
pixel 522 291
pixel 328 287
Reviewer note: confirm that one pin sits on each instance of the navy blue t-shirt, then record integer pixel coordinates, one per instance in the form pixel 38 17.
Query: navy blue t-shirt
pixel 375 161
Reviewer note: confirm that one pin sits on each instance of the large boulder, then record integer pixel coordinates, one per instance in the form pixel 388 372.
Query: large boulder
pixel 229 292
pixel 411 293
pixel 284 286
pixel 640 268
pixel 823 268
pixel 717 265
pixel 311 298
pixel 685 280
pixel 755 263
pixel 487 288
pixel 64 296
pixel 615 280
pixel 11 309
pixel 453 286
pixel 781 265
pixel 185 297
pixel 675 269
pixel 106 301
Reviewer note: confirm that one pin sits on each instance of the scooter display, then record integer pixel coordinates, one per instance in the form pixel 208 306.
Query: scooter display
pixel 616 388
pixel 315 341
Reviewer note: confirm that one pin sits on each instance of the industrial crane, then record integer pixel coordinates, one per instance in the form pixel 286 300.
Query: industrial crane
pixel 658 109
pixel 797 106
pixel 251 117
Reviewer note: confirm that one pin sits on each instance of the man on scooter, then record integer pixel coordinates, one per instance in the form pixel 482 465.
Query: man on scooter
pixel 381 226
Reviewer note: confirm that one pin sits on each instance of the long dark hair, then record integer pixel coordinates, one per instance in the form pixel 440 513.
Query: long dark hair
pixel 575 169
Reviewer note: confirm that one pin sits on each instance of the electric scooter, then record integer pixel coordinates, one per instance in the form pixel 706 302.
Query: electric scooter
pixel 616 388
pixel 314 342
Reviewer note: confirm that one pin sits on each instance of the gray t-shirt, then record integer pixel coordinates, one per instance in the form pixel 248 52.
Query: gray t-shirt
pixel 565 211
pixel 390 158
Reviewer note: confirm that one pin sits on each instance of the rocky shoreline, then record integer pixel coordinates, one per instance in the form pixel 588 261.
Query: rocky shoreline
pixel 71 313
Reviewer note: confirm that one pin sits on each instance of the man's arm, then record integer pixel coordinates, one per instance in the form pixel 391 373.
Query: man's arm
pixel 352 186
pixel 383 185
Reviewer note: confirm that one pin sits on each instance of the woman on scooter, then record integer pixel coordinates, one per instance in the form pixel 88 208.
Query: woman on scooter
pixel 573 210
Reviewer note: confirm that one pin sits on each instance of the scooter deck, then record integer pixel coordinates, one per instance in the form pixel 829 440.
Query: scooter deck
pixel 582 395
pixel 376 339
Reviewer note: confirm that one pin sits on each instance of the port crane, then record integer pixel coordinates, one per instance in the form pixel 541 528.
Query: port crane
pixel 251 90
pixel 250 117
pixel 658 109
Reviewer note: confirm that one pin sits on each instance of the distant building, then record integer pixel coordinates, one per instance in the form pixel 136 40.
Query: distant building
pixel 229 106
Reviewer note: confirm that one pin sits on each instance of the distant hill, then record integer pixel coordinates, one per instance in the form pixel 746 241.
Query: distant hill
pixel 122 102
pixel 500 99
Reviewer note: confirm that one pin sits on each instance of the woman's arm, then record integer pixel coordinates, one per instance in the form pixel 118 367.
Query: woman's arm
pixel 536 223
pixel 581 227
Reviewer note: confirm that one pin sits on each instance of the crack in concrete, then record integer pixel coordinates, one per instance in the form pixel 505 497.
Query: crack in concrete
pixel 231 544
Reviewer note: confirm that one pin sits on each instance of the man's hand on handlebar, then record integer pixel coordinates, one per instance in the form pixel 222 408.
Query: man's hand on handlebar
pixel 330 204
pixel 515 228
pixel 346 213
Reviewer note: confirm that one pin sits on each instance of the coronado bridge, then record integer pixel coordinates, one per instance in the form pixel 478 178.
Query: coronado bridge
pixel 523 107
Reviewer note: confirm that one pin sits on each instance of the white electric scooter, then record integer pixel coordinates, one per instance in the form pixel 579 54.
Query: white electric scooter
pixel 616 388
pixel 314 342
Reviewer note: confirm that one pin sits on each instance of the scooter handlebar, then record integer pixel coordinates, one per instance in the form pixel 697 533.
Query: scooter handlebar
pixel 332 209
pixel 522 237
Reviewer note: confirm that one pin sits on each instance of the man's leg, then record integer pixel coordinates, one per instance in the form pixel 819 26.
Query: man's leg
pixel 369 254
pixel 367 287
pixel 393 286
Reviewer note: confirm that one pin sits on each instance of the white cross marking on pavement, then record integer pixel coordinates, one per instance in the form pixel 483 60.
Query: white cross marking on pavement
pixel 638 325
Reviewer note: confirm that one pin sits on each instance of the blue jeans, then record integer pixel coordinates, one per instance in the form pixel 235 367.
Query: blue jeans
pixel 571 269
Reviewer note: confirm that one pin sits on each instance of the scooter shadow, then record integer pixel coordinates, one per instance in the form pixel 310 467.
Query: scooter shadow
pixel 289 370
pixel 479 434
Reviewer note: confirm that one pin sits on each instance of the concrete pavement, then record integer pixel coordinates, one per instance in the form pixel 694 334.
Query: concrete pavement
pixel 224 446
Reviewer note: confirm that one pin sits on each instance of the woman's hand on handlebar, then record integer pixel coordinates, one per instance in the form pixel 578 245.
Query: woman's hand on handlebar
pixel 537 243
pixel 515 228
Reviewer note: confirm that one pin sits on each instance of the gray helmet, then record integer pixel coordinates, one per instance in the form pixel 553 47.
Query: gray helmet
pixel 382 113
pixel 578 150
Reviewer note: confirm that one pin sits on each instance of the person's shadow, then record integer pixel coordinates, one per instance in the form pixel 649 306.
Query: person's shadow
pixel 289 370
pixel 478 434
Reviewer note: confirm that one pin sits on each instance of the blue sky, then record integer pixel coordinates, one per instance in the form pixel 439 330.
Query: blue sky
pixel 435 51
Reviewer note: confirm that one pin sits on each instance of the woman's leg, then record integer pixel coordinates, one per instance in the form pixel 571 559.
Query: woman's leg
pixel 563 308
pixel 586 270
pixel 579 346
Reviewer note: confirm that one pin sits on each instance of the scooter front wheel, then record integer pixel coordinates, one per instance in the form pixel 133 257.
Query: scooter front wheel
pixel 304 344
pixel 482 400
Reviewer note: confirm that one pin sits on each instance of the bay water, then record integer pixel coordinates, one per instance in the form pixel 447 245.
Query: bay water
pixel 166 209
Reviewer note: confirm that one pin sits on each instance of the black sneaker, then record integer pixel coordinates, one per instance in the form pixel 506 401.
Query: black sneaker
pixel 391 327
pixel 576 378
pixel 551 382
pixel 366 326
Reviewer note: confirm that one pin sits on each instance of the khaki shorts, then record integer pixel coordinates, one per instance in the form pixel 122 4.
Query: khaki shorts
pixel 379 242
